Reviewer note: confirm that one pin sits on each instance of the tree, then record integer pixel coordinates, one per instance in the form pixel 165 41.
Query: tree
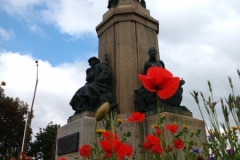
pixel 45 142
pixel 12 125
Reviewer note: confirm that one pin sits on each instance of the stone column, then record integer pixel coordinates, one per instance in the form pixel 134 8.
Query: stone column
pixel 125 34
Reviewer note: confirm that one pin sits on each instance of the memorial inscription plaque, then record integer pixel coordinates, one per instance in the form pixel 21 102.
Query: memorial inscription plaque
pixel 68 144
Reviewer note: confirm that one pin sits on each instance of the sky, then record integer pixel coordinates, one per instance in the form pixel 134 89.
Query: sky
pixel 198 41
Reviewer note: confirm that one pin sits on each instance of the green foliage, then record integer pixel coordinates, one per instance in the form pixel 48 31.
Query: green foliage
pixel 45 142
pixel 12 125
pixel 223 139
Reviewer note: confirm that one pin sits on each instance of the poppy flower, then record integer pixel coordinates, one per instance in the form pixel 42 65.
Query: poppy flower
pixel 178 143
pixel 109 135
pixel 137 116
pixel 172 127
pixel 124 150
pixel 110 146
pixel 62 158
pixel 156 148
pixel 152 139
pixel 152 144
pixel 161 81
pixel 85 151
pixel 147 146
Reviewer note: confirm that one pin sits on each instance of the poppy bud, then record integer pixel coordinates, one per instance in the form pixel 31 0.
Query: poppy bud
pixel 102 111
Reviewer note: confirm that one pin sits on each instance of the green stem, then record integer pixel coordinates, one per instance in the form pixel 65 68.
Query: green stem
pixel 98 153
pixel 159 110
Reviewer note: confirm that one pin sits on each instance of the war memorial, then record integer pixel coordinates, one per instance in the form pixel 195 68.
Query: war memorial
pixel 127 47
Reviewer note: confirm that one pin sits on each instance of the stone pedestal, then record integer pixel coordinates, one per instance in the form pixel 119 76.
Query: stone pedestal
pixel 193 123
pixel 125 35
pixel 84 127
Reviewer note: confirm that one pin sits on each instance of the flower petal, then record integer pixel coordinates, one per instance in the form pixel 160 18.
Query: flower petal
pixel 158 71
pixel 169 87
pixel 148 82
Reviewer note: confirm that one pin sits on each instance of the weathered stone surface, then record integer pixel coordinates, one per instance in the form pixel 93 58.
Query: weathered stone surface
pixel 136 138
pixel 81 115
pixel 193 124
pixel 85 126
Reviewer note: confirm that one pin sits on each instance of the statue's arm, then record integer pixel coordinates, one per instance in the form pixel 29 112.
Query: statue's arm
pixel 104 73
pixel 146 66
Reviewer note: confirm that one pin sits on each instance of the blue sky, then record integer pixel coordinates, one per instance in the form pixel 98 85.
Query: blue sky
pixel 198 41
pixel 47 44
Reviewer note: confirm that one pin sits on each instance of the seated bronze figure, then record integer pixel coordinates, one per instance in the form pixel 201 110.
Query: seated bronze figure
pixel 96 90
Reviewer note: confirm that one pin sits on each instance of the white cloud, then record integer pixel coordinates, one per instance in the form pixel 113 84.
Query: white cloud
pixel 70 16
pixel 6 35
pixel 56 86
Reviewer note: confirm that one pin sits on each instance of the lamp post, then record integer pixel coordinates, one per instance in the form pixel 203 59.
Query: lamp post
pixel 24 134
pixel 30 114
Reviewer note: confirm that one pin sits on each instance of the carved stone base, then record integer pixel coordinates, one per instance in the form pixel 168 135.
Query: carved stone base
pixel 193 124
pixel 80 124
pixel 85 127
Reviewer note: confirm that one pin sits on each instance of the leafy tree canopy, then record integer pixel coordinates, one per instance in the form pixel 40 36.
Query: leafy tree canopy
pixel 12 124
pixel 45 142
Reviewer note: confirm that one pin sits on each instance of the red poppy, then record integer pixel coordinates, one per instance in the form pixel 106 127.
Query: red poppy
pixel 152 139
pixel 124 150
pixel 156 148
pixel 161 81
pixel 178 143
pixel 109 135
pixel 62 158
pixel 146 145
pixel 152 144
pixel 110 146
pixel 84 151
pixel 172 127
pixel 137 116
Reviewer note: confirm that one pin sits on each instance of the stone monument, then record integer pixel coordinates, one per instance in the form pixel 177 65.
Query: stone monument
pixel 125 34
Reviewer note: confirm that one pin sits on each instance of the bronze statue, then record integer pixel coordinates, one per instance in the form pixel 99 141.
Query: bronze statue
pixel 145 100
pixel 96 90
pixel 112 3
pixel 152 61
pixel 143 3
